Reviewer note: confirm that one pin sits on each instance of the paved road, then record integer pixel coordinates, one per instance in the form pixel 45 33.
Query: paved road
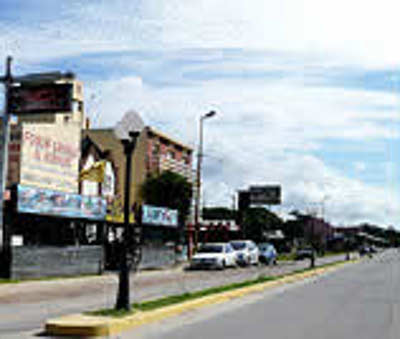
pixel 26 306
pixel 358 301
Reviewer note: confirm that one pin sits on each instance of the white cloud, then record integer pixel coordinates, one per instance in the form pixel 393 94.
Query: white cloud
pixel 358 32
pixel 265 130
pixel 265 133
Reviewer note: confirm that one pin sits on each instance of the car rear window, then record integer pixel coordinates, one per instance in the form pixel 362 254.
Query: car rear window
pixel 238 245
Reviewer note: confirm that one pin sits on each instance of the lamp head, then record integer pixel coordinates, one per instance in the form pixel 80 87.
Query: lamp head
pixel 210 114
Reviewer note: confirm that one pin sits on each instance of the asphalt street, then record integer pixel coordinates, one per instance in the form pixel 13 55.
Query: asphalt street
pixel 357 301
pixel 25 307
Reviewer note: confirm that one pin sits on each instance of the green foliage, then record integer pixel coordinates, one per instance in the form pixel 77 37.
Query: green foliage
pixel 168 190
pixel 258 220
pixel 219 213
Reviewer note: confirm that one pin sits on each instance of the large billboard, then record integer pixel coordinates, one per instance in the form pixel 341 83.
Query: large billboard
pixel 60 204
pixel 159 216
pixel 44 98
pixel 50 156
pixel 265 195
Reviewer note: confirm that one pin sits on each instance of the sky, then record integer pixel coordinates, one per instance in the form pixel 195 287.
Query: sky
pixel 307 92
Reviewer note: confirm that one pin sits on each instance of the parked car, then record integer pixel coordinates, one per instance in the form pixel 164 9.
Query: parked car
pixel 304 253
pixel 246 252
pixel 214 255
pixel 267 253
pixel 366 250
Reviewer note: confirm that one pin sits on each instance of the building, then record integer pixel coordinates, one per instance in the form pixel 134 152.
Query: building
pixel 44 234
pixel 155 152
pixel 73 113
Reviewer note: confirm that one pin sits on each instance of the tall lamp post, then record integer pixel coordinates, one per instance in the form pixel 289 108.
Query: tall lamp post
pixel 198 176
pixel 123 298
pixel 7 80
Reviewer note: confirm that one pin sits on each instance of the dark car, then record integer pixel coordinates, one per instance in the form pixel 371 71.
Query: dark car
pixel 304 253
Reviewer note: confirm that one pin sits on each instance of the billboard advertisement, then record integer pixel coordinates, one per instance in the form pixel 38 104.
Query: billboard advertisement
pixel 55 203
pixel 45 98
pixel 50 156
pixel 265 195
pixel 159 216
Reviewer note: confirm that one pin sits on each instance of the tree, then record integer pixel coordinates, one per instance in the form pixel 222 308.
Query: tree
pixel 170 190
pixel 258 220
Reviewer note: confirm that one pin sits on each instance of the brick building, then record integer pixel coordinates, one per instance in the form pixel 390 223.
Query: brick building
pixel 155 152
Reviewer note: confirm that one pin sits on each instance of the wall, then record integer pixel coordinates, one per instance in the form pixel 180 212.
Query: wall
pixel 46 261
pixel 156 255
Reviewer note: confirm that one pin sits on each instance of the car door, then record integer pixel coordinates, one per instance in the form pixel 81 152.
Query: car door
pixel 255 250
pixel 231 256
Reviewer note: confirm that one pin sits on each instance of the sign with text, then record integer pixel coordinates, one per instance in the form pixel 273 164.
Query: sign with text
pixel 265 195
pixel 36 200
pixel 45 98
pixel 50 156
pixel 159 216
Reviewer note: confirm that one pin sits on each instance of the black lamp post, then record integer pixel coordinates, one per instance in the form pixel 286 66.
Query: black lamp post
pixel 123 298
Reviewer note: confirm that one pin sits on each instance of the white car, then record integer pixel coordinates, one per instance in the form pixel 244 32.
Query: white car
pixel 214 255
pixel 246 252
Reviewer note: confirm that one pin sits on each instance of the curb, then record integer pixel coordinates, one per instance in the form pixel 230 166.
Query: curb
pixel 87 325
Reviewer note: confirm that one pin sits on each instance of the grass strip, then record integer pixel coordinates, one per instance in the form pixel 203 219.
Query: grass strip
pixel 179 298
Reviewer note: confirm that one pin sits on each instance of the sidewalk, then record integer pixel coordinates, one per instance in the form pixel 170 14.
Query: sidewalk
pixel 145 284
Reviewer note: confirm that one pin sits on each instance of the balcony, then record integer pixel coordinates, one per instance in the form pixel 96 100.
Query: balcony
pixel 176 166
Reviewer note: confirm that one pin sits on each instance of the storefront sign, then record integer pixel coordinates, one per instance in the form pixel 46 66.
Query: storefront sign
pixel 55 203
pixel 50 156
pixel 159 216
pixel 46 98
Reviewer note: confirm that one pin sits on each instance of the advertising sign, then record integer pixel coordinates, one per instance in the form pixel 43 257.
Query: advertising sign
pixel 50 156
pixel 265 195
pixel 115 211
pixel 45 98
pixel 159 216
pixel 55 203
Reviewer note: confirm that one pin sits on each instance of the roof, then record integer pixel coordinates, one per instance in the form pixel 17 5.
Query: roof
pixel 167 137
pixel 105 137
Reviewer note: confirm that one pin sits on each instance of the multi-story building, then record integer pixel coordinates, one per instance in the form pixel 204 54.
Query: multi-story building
pixel 76 112
pixel 155 152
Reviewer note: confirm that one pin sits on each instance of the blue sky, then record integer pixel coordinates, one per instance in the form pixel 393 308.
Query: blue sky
pixel 301 99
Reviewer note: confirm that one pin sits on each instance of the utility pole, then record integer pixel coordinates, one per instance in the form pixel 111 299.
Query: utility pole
pixel 7 80
pixel 198 177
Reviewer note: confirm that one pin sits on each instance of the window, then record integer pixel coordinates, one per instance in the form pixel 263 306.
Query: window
pixel 156 149
pixel 171 155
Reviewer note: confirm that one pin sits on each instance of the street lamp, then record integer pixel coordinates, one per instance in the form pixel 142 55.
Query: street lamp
pixel 198 175
pixel 123 299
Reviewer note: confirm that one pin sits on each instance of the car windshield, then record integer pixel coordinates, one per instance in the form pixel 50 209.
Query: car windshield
pixel 238 245
pixel 211 249
pixel 264 247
